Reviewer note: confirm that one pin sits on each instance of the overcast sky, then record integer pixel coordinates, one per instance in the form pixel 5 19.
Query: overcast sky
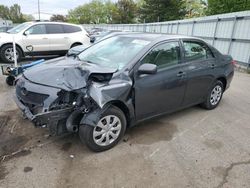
pixel 48 7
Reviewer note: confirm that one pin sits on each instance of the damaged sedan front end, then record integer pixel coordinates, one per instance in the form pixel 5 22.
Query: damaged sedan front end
pixel 67 94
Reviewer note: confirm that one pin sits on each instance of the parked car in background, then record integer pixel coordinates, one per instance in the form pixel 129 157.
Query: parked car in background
pixel 41 38
pixel 77 50
pixel 93 39
pixel 96 31
pixel 5 29
pixel 102 35
pixel 121 81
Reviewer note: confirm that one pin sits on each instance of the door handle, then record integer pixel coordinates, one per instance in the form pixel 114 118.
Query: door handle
pixel 45 38
pixel 66 37
pixel 212 66
pixel 181 74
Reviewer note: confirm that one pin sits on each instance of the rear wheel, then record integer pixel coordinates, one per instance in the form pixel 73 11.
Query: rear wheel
pixel 7 53
pixel 214 96
pixel 107 133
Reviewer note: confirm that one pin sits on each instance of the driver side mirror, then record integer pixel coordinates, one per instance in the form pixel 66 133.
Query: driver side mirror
pixel 27 32
pixel 147 69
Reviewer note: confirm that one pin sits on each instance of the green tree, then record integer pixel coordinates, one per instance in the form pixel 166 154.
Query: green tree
pixel 126 11
pixel 58 17
pixel 111 11
pixel 161 10
pixel 28 17
pixel 4 12
pixel 227 6
pixel 104 11
pixel 194 8
pixel 94 12
pixel 15 14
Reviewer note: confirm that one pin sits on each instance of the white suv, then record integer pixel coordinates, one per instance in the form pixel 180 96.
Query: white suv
pixel 41 38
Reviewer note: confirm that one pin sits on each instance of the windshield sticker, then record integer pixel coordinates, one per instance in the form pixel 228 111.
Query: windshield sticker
pixel 141 42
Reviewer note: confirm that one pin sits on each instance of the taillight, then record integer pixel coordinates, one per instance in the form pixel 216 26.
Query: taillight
pixel 234 62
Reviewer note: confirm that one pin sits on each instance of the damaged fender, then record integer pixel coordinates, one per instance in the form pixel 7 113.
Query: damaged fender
pixel 117 90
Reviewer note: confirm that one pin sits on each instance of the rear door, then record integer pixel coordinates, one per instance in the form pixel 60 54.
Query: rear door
pixel 164 91
pixel 199 63
pixel 57 37
pixel 35 39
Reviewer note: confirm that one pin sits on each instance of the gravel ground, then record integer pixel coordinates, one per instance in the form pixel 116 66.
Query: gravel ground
pixel 190 148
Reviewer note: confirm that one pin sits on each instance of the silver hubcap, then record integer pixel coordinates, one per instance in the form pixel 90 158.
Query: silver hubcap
pixel 216 95
pixel 9 54
pixel 107 130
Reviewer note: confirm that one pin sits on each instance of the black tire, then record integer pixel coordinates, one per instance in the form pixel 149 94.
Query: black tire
pixel 6 47
pixel 10 80
pixel 86 131
pixel 208 104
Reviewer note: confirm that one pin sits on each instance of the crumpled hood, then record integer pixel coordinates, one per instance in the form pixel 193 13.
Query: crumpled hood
pixel 65 73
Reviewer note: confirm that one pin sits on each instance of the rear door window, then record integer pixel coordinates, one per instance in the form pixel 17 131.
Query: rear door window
pixel 71 29
pixel 54 29
pixel 194 51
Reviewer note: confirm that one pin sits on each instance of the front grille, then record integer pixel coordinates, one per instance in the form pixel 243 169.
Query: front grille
pixel 29 97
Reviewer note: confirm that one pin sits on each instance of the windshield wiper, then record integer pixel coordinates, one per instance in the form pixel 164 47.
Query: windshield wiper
pixel 91 62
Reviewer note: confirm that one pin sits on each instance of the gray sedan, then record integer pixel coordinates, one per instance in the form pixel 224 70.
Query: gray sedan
pixel 121 81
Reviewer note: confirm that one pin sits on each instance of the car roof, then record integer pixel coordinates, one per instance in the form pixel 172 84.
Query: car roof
pixel 48 22
pixel 154 37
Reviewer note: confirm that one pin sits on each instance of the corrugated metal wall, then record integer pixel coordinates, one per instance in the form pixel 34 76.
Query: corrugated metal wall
pixel 229 33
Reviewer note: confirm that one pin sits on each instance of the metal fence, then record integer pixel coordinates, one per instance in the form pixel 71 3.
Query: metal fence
pixel 229 33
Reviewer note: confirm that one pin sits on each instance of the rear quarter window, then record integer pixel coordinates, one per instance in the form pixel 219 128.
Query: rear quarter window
pixel 71 29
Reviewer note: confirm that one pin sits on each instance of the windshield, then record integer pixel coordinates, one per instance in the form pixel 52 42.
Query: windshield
pixel 115 52
pixel 18 28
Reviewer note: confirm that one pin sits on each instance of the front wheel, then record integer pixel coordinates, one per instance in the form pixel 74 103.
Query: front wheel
pixel 7 53
pixel 108 131
pixel 214 96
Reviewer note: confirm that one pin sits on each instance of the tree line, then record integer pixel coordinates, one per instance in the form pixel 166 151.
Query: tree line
pixel 14 13
pixel 135 11
pixel 145 11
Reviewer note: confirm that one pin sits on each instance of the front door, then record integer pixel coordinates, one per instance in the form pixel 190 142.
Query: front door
pixel 164 91
pixel 35 39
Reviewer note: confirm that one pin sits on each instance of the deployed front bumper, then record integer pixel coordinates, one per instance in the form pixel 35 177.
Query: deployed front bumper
pixel 36 106
pixel 43 118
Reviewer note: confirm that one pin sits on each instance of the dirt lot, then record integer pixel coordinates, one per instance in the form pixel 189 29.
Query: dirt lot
pixel 190 148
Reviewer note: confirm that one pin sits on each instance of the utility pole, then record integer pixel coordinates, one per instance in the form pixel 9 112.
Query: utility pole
pixel 39 10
